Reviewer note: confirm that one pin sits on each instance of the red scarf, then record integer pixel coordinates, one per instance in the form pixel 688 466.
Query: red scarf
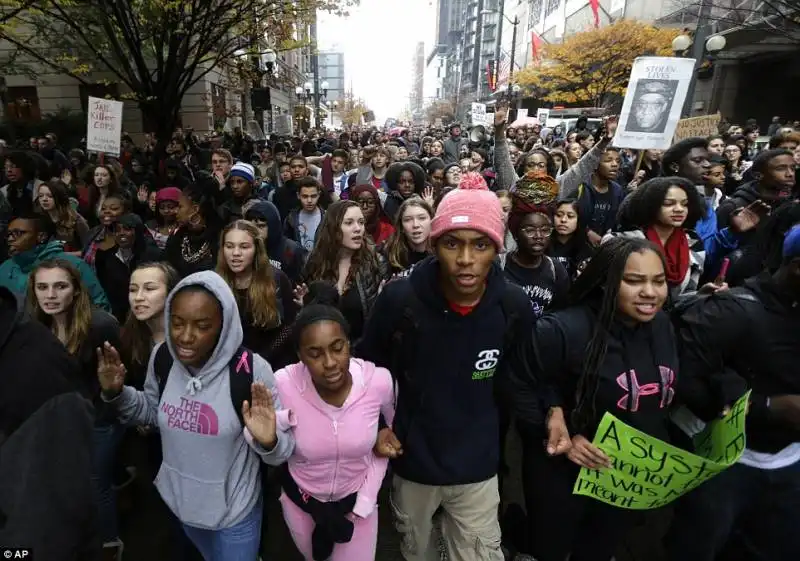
pixel 676 252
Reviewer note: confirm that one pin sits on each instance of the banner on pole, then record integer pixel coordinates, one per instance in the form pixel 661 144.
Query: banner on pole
pixel 649 473
pixel 104 127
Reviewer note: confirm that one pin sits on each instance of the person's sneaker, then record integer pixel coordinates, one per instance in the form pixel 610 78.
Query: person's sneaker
pixel 130 472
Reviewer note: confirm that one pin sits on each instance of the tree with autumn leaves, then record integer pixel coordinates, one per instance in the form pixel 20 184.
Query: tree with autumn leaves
pixel 592 68
pixel 156 49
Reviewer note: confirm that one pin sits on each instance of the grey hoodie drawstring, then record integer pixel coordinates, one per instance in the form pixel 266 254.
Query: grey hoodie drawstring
pixel 194 385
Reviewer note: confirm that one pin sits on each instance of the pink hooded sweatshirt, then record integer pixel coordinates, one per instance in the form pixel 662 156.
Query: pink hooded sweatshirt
pixel 333 455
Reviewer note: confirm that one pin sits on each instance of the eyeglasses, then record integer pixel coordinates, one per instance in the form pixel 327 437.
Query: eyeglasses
pixel 14 234
pixel 540 165
pixel 366 202
pixel 537 232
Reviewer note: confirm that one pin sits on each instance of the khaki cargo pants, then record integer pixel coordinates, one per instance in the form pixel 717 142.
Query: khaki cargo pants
pixel 470 527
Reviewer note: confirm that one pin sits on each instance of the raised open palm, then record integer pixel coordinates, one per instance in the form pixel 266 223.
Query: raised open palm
pixel 110 370
pixel 259 416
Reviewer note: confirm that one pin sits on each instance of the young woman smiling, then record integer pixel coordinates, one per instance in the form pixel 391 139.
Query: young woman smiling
pixel 58 298
pixel 590 358
pixel 664 210
pixel 329 502
pixel 410 242
pixel 343 256
pixel 102 236
pixel 263 293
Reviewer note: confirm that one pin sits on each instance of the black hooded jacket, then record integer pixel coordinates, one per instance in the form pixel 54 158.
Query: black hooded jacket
pixel 731 343
pixel 286 255
pixel 447 415
pixel 636 377
pixel 45 442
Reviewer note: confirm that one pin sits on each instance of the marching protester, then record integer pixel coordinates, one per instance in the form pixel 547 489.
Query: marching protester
pixel 500 293
pixel 343 255
pixel 410 242
pixel 59 299
pixel 448 426
pixel 335 402
pixel 732 341
pixel 263 293
pixel 212 485
pixel 613 324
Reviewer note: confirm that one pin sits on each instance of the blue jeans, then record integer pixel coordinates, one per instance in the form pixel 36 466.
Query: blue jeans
pixel 763 503
pixel 105 443
pixel 237 543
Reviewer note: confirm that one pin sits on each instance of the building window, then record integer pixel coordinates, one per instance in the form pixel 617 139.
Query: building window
pixel 552 6
pixel 534 13
pixel 22 103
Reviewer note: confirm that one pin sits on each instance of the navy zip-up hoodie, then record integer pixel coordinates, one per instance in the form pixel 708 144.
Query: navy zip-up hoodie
pixel 446 414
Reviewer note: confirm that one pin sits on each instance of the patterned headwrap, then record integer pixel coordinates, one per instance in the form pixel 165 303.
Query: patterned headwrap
pixel 533 193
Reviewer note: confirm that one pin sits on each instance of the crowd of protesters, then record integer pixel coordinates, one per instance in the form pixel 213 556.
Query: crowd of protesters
pixel 318 311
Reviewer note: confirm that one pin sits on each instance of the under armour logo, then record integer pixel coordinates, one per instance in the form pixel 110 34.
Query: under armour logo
pixel 663 388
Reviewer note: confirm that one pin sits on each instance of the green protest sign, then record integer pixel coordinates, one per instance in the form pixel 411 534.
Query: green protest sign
pixel 648 473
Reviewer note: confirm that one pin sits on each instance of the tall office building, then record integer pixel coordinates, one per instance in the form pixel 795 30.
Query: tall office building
pixel 416 97
pixel 466 36
pixel 331 70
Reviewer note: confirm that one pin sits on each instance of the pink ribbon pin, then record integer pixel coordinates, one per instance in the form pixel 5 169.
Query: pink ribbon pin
pixel 243 363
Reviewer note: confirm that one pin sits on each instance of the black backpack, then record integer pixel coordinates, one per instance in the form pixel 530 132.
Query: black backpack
pixel 240 372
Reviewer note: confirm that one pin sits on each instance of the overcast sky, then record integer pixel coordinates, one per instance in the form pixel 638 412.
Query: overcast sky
pixel 378 40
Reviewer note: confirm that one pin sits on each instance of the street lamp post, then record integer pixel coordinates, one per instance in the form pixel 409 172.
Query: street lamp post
pixel 334 107
pixel 304 94
pixel 701 42
pixel 514 23
pixel 681 44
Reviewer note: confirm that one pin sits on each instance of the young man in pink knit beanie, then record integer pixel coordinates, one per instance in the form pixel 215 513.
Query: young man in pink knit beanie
pixel 444 332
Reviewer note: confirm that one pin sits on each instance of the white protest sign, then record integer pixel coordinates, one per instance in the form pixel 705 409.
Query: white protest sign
pixel 283 125
pixel 478 114
pixel 522 113
pixel 653 102
pixel 104 129
pixel 542 115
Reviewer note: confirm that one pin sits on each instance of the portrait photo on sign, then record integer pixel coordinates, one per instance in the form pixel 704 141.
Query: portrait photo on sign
pixel 650 108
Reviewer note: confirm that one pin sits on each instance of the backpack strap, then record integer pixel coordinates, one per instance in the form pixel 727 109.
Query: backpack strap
pixel 240 372
pixel 509 304
pixel 162 364
pixel 551 267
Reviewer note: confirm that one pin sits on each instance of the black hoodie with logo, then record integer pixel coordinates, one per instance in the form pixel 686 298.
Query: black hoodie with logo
pixel 447 416
pixel 636 379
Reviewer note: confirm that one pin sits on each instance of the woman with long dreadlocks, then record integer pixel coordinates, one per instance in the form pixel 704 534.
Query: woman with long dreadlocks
pixel 612 350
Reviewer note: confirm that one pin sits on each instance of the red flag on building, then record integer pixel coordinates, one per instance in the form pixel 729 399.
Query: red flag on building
pixel 536 46
pixel 595 5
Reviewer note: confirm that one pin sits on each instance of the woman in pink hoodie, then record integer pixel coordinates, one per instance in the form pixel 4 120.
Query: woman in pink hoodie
pixel 332 404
